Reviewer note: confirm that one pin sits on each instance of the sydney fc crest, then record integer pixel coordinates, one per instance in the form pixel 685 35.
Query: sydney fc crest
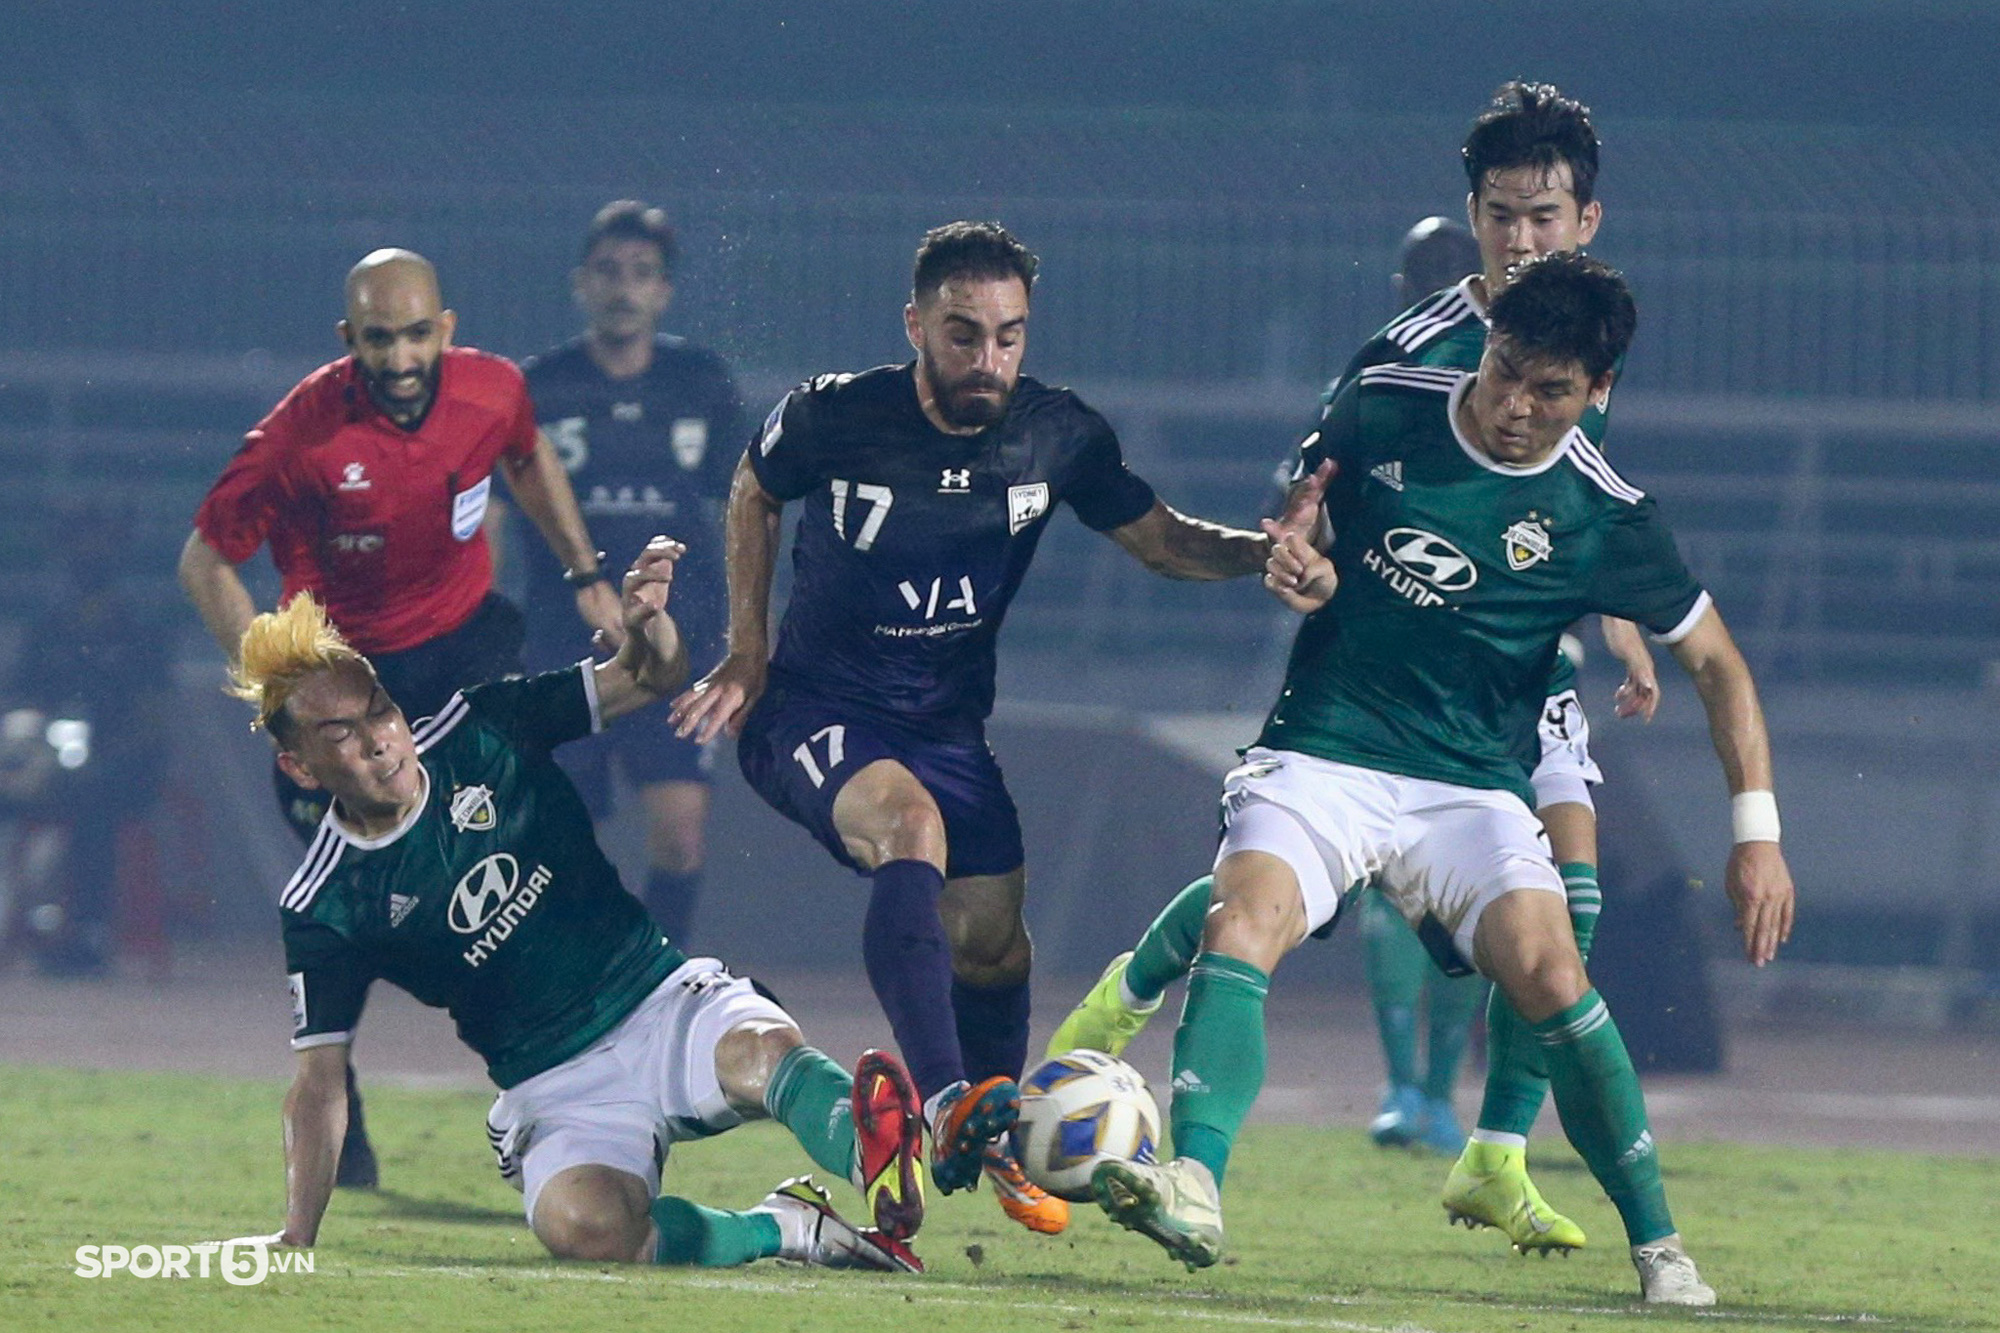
pixel 1527 543
pixel 472 810
pixel 1025 504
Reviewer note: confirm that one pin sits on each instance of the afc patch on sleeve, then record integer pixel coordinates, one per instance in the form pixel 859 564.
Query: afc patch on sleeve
pixel 774 426
pixel 297 981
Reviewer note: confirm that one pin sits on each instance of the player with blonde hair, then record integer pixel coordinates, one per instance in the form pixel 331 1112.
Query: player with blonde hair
pixel 457 862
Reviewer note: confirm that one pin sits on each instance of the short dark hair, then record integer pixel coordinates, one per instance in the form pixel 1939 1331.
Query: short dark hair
pixel 1533 125
pixel 630 220
pixel 970 250
pixel 1567 307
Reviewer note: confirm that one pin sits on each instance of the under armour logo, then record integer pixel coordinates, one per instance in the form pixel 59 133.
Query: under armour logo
pixel 956 481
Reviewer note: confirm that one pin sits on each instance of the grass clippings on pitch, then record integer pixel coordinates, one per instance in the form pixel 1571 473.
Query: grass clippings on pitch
pixel 1326 1232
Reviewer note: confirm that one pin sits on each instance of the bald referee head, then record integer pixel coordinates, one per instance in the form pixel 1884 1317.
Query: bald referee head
pixel 397 328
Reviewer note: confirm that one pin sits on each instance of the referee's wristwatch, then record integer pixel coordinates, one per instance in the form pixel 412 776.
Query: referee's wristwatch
pixel 583 578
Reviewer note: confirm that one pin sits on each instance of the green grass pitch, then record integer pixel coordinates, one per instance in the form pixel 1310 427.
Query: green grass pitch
pixel 1326 1232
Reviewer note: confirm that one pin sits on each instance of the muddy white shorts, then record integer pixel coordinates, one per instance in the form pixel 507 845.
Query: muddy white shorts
pixel 1439 852
pixel 648 1083
pixel 1565 772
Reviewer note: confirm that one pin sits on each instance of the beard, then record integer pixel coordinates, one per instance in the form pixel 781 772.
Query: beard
pixel 956 402
pixel 404 410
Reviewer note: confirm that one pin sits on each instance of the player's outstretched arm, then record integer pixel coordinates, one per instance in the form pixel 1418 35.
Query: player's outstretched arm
pixel 723 698
pixel 217 592
pixel 1639 695
pixel 315 1122
pixel 540 486
pixel 1179 546
pixel 1758 881
pixel 652 660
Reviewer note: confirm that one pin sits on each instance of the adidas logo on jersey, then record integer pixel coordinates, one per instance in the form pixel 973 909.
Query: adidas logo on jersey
pixel 400 905
pixel 1389 474
pixel 1188 1081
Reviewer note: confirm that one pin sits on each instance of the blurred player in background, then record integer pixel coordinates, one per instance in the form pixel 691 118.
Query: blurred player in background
pixel 457 863
pixel 369 484
pixel 1531 163
pixel 650 429
pixel 926 488
pixel 94 690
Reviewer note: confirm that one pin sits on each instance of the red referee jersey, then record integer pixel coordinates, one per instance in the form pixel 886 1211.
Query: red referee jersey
pixel 382 524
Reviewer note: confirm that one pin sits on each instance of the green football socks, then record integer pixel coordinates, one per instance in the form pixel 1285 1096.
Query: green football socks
pixel 711 1237
pixel 1218 1058
pixel 1453 1002
pixel 809 1094
pixel 1517 1079
pixel 1604 1113
pixel 1169 945
pixel 1396 964
pixel 1585 900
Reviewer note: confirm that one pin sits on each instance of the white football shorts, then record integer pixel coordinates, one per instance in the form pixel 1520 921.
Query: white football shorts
pixel 1436 850
pixel 1566 772
pixel 648 1083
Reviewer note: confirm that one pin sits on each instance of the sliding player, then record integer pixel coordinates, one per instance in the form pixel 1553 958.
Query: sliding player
pixel 457 862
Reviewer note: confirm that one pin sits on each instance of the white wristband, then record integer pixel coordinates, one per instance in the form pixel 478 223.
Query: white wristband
pixel 1754 814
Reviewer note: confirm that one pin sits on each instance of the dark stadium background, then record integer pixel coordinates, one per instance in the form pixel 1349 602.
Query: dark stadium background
pixel 1807 200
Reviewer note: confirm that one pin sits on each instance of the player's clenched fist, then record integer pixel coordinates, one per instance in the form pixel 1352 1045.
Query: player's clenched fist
pixel 1299 576
pixel 650 579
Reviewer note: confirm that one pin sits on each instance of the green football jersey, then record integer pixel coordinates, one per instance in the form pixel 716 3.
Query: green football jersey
pixel 1448 328
pixel 1457 577
pixel 492 901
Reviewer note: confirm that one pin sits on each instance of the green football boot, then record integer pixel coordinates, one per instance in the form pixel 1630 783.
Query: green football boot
pixel 1102 1021
pixel 1489 1187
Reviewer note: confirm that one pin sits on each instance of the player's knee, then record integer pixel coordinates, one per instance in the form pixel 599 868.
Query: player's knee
pixel 1548 985
pixel 748 1056
pixel 675 850
pixel 907 827
pixel 1257 916
pixel 599 1225
pixel 1001 954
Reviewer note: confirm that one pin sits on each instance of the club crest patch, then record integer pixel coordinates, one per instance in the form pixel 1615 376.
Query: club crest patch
pixel 1025 504
pixel 689 441
pixel 472 809
pixel 1527 543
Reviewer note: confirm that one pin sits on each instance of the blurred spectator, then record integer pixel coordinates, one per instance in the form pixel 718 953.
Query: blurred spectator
pixel 94 747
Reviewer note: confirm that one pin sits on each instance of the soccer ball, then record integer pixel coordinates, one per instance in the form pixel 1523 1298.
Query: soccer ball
pixel 1078 1110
